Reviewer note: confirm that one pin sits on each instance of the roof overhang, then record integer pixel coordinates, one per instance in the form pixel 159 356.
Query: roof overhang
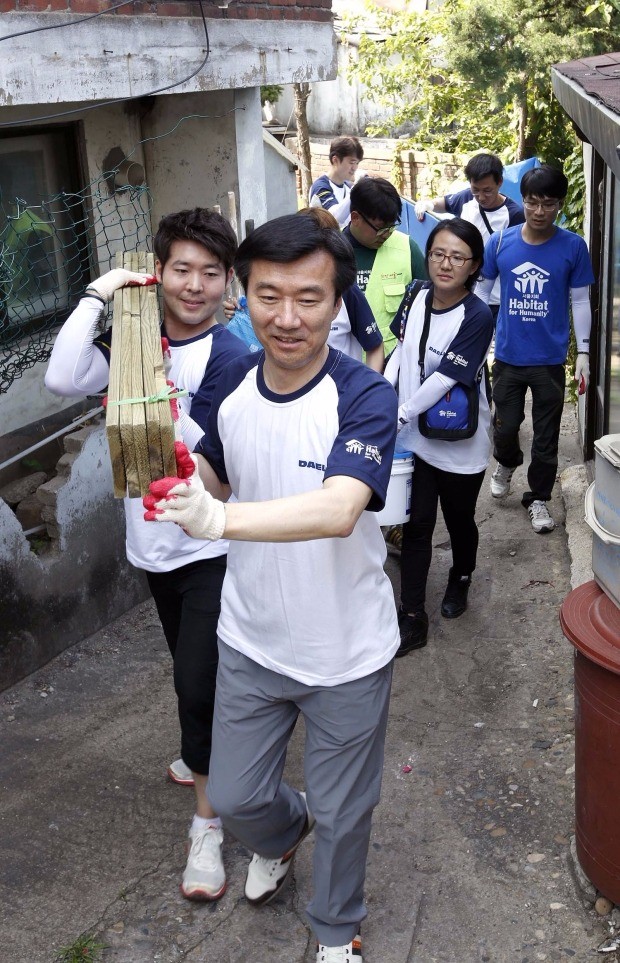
pixel 589 92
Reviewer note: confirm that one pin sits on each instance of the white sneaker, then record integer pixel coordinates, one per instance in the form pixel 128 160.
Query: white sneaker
pixel 541 519
pixel 500 481
pixel 266 876
pixel 178 772
pixel 351 953
pixel 204 878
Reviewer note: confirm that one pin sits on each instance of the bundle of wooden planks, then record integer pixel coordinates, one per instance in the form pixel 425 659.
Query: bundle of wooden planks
pixel 140 430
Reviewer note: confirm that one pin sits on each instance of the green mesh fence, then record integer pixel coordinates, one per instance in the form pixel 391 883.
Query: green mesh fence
pixel 49 247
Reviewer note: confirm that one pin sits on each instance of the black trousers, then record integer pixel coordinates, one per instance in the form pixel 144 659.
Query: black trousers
pixel 457 494
pixel 188 605
pixel 510 384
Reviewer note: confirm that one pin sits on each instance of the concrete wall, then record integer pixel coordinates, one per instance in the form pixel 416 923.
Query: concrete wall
pixel 415 173
pixel 337 106
pixel 278 170
pixel 196 165
pixel 132 56
pixel 83 580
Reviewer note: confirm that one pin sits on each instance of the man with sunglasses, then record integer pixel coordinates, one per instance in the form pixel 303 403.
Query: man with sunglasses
pixel 386 259
pixel 541 268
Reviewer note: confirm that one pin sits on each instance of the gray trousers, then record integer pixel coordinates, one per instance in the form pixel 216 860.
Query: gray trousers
pixel 255 714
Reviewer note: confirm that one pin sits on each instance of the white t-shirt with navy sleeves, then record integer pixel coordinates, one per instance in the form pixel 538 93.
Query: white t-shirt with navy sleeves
pixel 354 329
pixel 322 611
pixel 458 342
pixel 508 213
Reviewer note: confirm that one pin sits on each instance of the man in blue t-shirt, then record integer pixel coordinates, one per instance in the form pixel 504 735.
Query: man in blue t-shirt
pixel 541 268
pixel 482 204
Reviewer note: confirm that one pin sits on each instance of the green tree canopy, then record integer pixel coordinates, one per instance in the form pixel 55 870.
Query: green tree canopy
pixel 475 74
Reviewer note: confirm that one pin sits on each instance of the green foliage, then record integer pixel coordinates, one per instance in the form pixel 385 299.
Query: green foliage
pixel 475 74
pixel 21 235
pixel 271 93
pixel 85 949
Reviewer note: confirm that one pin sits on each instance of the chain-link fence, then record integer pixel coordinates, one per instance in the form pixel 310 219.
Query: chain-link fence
pixel 48 247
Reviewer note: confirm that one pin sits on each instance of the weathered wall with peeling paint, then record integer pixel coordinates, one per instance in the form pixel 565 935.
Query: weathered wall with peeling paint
pixel 196 143
pixel 48 602
pixel 120 57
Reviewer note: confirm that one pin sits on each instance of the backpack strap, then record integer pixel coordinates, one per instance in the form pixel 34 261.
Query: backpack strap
pixel 410 295
pixel 485 219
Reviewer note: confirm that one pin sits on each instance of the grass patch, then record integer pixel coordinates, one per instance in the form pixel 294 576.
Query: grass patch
pixel 85 949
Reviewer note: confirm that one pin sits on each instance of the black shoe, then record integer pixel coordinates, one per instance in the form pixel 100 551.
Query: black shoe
pixel 455 599
pixel 413 632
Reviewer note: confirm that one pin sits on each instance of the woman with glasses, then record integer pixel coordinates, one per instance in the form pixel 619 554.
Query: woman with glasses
pixel 455 328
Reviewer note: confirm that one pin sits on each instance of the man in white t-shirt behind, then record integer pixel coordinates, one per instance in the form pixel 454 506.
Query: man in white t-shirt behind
pixel 332 190
pixel 304 437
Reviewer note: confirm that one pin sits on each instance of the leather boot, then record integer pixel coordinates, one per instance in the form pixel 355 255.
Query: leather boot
pixel 455 599
pixel 413 632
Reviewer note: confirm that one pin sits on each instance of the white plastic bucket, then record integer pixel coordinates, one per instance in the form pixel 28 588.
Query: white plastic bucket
pixel 605 551
pixel 397 508
pixel 607 474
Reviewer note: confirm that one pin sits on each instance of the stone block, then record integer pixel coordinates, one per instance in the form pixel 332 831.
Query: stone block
pixel 21 488
pixel 28 513
pixel 65 463
pixel 48 493
pixel 75 441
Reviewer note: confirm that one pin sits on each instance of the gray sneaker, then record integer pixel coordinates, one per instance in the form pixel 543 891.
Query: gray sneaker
pixel 500 481
pixel 539 516
pixel 204 878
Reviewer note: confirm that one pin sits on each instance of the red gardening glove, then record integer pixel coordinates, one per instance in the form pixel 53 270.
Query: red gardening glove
pixel 161 488
pixel 174 402
pixel 185 501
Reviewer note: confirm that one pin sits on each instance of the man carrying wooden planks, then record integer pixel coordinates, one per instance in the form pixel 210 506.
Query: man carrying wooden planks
pixel 304 437
pixel 194 252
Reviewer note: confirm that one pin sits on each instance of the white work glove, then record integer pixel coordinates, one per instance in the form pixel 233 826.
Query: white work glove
pixel 582 372
pixel 185 501
pixel 105 286
pixel 401 420
pixel 422 208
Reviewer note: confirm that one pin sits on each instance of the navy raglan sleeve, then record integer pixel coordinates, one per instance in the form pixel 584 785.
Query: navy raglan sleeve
pixel 454 202
pixel 323 190
pixel 466 353
pixel 515 213
pixel 104 343
pixel 364 446
pixel 210 445
pixel 362 320
pixel 225 348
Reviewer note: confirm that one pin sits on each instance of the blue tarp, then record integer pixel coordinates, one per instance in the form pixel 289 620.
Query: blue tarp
pixel 419 230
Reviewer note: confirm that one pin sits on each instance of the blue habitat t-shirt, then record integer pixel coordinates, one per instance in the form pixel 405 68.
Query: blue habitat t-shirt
pixel 533 320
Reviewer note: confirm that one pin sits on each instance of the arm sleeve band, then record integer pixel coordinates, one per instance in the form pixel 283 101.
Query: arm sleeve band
pixel 191 432
pixel 582 317
pixel 483 288
pixel 76 366
pixel 393 365
pixel 429 392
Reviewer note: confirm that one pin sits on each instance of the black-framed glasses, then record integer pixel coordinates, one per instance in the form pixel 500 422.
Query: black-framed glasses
pixel 381 231
pixel 454 260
